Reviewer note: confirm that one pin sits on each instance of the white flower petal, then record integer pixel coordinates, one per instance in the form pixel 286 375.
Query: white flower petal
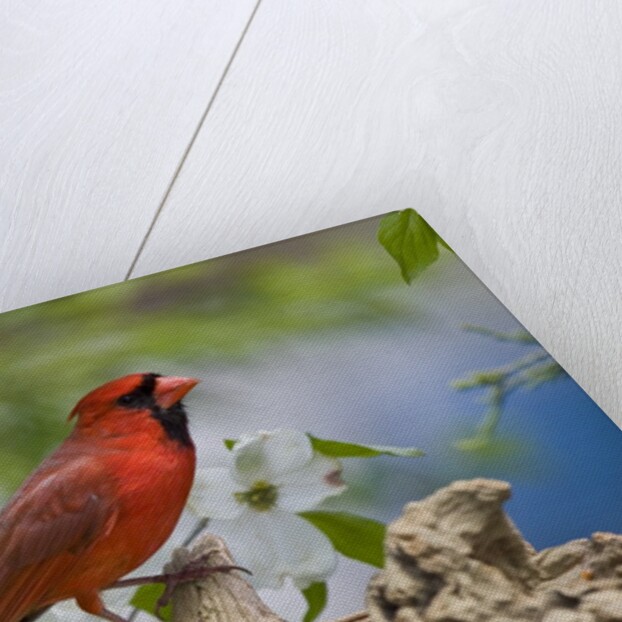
pixel 274 545
pixel 212 494
pixel 265 455
pixel 308 486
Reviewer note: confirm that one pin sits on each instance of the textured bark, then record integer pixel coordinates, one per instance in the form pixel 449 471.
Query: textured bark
pixel 221 597
pixel 456 557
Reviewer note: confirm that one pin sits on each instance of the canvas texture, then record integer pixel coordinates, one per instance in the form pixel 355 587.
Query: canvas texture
pixel 341 375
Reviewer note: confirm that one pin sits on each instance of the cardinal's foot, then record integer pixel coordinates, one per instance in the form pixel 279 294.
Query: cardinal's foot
pixel 193 571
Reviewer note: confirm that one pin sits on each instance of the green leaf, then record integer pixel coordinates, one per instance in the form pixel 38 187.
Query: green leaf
pixel 409 239
pixel 146 599
pixel 316 596
pixel 229 443
pixel 339 449
pixel 353 536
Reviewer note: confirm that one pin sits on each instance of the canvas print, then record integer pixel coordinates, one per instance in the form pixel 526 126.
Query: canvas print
pixel 342 426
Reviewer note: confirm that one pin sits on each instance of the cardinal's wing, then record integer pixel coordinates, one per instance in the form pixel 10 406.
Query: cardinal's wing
pixel 62 509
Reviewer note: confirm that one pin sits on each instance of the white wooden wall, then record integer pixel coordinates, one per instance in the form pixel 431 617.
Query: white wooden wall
pixel 139 136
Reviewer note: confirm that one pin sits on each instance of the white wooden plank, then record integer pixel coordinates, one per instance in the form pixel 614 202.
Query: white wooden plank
pixel 499 120
pixel 98 102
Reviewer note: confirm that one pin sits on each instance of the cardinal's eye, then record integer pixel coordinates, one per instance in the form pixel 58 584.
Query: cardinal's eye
pixel 129 400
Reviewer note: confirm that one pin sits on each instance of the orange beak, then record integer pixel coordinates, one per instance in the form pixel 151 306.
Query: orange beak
pixel 170 389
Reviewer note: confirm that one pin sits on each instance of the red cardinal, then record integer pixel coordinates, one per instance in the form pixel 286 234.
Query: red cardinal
pixel 103 502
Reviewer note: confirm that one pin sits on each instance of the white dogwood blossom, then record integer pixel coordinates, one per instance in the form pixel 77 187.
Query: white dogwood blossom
pixel 253 504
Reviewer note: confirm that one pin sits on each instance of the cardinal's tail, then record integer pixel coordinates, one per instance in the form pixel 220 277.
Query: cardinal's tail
pixel 22 595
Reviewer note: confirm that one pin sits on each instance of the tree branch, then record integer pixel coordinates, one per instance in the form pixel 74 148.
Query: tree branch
pixel 221 597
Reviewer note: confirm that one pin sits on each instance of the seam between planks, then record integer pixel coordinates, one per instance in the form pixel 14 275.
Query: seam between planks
pixel 184 156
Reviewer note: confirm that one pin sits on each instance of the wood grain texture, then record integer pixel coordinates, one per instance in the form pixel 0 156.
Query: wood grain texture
pixel 98 102
pixel 500 121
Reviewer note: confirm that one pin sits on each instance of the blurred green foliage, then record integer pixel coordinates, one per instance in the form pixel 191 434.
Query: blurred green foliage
pixel 528 372
pixel 231 307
